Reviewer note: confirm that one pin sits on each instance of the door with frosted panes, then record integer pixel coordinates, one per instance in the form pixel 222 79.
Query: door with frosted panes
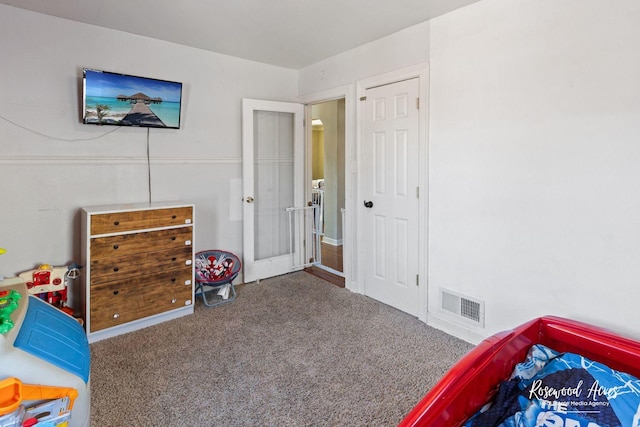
pixel 273 174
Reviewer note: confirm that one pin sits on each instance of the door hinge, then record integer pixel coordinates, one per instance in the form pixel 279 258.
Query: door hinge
pixel 417 103
pixel 417 280
pixel 417 192
pixel 363 98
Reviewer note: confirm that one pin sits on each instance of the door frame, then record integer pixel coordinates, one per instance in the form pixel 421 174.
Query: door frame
pixel 350 252
pixel 420 71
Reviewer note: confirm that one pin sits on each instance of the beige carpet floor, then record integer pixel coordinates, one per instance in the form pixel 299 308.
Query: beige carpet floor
pixel 293 350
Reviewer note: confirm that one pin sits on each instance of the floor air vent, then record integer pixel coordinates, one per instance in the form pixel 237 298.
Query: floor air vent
pixel 463 307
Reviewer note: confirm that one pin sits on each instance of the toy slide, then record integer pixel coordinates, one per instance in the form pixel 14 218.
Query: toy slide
pixel 44 363
pixel 474 380
pixel 13 392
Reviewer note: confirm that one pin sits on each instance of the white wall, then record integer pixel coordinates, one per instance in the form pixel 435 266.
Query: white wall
pixel 534 153
pixel 396 51
pixel 534 156
pixel 45 181
pixel 535 160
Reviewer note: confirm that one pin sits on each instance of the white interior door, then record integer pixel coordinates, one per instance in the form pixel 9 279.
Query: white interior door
pixel 273 181
pixel 390 173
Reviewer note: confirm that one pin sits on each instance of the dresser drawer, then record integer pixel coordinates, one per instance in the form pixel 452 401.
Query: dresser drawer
pixel 145 264
pixel 140 287
pixel 126 244
pixel 117 222
pixel 108 316
pixel 115 303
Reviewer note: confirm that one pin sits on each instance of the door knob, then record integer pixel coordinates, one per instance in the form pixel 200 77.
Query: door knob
pixel 249 199
pixel 368 204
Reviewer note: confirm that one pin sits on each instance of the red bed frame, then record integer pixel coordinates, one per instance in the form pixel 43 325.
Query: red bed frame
pixel 473 381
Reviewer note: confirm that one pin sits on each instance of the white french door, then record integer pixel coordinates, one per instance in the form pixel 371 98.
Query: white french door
pixel 273 183
pixel 390 173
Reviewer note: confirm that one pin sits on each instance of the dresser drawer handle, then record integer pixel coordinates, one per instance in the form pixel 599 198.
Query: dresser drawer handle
pixel 173 301
pixel 173 217
pixel 188 262
pixel 115 246
pixel 116 292
pixel 115 269
pixel 116 316
pixel 187 243
pixel 173 237
pixel 174 258
pixel 116 223
pixel 173 279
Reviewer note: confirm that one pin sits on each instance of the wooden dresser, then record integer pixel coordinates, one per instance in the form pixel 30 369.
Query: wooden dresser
pixel 138 266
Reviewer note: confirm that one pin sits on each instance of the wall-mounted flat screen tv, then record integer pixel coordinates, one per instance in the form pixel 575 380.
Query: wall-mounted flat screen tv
pixel 123 100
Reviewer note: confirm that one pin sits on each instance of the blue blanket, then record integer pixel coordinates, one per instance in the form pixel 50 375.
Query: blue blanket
pixel 551 389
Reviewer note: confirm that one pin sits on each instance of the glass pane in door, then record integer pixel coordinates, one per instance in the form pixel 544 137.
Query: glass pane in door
pixel 273 181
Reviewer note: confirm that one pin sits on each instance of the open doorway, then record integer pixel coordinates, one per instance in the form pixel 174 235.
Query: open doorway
pixel 328 181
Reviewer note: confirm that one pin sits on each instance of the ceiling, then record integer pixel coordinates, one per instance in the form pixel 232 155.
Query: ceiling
pixel 286 33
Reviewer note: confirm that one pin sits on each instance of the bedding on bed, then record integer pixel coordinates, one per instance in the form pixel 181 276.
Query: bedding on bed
pixel 551 389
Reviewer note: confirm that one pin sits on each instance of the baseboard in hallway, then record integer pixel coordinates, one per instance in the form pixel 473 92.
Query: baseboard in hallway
pixel 326 275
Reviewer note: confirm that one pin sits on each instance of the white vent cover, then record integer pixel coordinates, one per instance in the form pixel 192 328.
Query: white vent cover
pixel 463 307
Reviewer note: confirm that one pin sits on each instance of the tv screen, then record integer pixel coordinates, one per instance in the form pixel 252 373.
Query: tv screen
pixel 124 100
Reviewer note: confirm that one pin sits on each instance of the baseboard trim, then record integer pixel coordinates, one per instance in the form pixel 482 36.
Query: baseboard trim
pixel 332 242
pixel 458 331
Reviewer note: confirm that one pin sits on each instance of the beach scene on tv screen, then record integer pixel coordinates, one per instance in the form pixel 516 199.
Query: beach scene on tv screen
pixel 117 99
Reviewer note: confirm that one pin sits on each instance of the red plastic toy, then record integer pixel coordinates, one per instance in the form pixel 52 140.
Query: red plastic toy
pixel 473 381
pixel 50 283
